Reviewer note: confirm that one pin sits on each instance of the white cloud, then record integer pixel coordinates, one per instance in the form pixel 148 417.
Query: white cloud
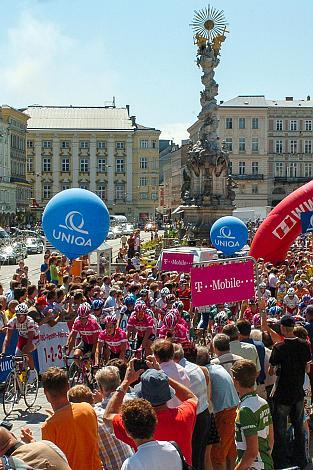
pixel 42 64
pixel 176 131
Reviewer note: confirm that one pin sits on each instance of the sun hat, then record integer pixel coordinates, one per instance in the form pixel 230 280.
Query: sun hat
pixel 154 387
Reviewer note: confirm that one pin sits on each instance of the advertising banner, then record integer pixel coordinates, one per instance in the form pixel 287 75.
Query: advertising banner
pixel 51 341
pixel 307 222
pixel 217 284
pixel 180 262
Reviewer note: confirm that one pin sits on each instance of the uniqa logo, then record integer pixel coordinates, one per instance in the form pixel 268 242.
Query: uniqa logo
pixel 225 238
pixel 310 227
pixel 69 224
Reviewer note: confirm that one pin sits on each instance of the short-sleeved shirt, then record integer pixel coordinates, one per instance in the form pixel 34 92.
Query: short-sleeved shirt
pixel 247 351
pixel 254 418
pixel 174 424
pixel 147 323
pixel 180 334
pixel 115 341
pixel 24 328
pixel 88 331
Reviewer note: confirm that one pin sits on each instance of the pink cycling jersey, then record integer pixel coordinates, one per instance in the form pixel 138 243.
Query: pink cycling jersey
pixel 115 341
pixel 178 335
pixel 88 331
pixel 147 323
pixel 24 328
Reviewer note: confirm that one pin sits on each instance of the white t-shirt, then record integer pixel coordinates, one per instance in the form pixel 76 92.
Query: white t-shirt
pixel 154 455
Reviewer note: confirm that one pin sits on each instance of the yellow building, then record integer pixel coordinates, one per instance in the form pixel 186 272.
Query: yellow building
pixel 102 149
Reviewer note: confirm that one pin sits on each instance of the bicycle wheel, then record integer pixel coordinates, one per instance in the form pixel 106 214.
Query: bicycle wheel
pixel 31 388
pixel 75 375
pixel 10 394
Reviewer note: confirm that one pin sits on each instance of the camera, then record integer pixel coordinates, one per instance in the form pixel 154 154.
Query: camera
pixel 140 364
pixel 7 425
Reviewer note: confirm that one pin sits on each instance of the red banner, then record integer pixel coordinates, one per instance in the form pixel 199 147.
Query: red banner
pixel 217 284
pixel 180 262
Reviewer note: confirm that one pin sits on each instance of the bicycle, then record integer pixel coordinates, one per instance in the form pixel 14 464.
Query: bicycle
pixel 84 373
pixel 17 384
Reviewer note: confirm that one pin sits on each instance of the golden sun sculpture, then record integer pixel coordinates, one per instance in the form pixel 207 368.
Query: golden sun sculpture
pixel 209 23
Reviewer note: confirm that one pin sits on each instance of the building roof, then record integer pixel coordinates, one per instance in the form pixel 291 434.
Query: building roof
pixel 83 118
pixel 259 101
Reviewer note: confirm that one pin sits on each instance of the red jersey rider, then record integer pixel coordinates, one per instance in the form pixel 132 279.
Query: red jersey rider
pixel 141 323
pixel 112 341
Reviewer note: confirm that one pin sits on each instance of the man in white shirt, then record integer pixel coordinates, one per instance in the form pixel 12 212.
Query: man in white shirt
pixel 139 419
pixel 245 350
pixel 225 358
pixel 163 350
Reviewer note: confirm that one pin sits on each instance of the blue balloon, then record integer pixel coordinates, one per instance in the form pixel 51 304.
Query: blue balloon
pixel 76 222
pixel 229 234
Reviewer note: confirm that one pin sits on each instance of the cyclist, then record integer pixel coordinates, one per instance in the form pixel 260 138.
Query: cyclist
pixel 142 324
pixel 97 309
pixel 28 336
pixel 126 311
pixel 305 301
pixel 173 330
pixel 291 302
pixel 88 328
pixel 112 341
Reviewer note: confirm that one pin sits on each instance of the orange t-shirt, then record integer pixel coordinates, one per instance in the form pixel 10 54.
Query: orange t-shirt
pixel 74 429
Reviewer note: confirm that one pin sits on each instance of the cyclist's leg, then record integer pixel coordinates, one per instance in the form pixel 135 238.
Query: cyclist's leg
pixel 27 350
pixel 79 351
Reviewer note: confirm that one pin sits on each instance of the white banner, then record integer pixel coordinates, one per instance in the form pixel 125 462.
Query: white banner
pixel 49 348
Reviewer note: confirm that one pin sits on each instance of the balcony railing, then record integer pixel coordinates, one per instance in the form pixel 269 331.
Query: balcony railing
pixel 259 176
pixel 292 179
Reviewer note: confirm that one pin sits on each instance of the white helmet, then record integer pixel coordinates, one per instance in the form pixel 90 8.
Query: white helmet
pixel 21 309
pixel 291 291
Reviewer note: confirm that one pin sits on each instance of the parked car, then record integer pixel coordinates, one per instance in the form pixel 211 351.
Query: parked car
pixel 118 231
pixel 111 235
pixel 128 229
pixel 150 227
pixel 33 245
pixel 12 253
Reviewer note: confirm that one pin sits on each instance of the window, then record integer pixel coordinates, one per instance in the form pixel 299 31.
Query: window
pixel 292 169
pixel 308 146
pixel 255 123
pixel 242 123
pixel 255 168
pixel 30 144
pixel 46 191
pixel 293 125
pixel 154 181
pixel 154 196
pixel 29 165
pixel 65 164
pixel 143 181
pixel 255 189
pixel 307 169
pixel 229 123
pixel 144 144
pixel 83 165
pixel 308 125
pixel 65 144
pixel 47 144
pixel 154 144
pixel 101 144
pixel 101 190
pixel 84 144
pixel 242 144
pixel 230 168
pixel 279 169
pixel 293 146
pixel 242 168
pixel 120 191
pixel 65 186
pixel 279 124
pixel 143 195
pixel 229 144
pixel 120 165
pixel 143 163
pixel 120 145
pixel 102 165
pixel 255 144
pixel 279 146
pixel 46 164
pixel 84 186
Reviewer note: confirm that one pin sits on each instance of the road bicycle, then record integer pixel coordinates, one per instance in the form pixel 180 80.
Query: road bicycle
pixel 80 371
pixel 18 384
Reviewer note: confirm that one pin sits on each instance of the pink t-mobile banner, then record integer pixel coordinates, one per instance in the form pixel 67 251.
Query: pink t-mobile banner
pixel 216 284
pixel 180 262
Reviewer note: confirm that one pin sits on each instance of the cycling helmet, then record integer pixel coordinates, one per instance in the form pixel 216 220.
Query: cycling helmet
pixel 170 319
pixel 110 319
pixel 97 304
pixel 271 302
pixel 299 284
pixel 140 307
pixel 221 318
pixel 129 300
pixel 165 291
pixel 84 310
pixel 178 305
pixel 143 292
pixel 291 291
pixel 262 285
pixel 306 298
pixel 170 298
pixel 275 310
pixel 21 309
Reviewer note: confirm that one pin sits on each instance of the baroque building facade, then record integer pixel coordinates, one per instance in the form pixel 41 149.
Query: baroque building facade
pixel 101 149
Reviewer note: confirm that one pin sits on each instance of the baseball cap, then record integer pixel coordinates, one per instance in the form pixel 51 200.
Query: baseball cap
pixel 41 301
pixel 288 321
pixel 154 387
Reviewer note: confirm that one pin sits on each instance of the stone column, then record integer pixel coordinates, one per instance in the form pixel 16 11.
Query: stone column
pixel 111 170
pixel 129 169
pixel 38 170
pixel 93 164
pixel 56 165
pixel 75 161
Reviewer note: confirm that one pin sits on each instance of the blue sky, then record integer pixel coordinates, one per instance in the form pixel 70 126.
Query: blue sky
pixel 84 52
